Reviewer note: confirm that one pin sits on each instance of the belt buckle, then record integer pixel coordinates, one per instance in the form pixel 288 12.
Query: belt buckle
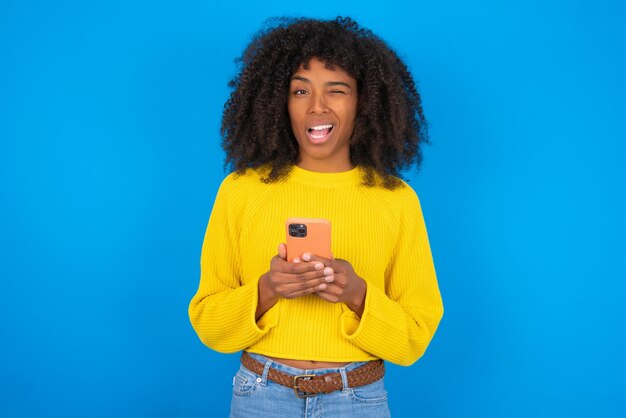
pixel 297 391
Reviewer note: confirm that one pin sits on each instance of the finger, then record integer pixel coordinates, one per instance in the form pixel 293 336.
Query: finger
pixel 284 266
pixel 313 257
pixel 284 278
pixel 301 288
pixel 282 251
pixel 329 274
pixel 298 268
pixel 328 295
pixel 317 285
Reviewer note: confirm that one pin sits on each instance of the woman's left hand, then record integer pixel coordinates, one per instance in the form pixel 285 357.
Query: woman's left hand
pixel 343 285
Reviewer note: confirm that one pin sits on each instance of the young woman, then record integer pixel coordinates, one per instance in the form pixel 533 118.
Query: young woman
pixel 322 117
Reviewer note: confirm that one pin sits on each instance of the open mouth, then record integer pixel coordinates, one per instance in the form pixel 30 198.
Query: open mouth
pixel 320 132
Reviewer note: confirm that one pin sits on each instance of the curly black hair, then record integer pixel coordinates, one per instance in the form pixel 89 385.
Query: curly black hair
pixel 390 125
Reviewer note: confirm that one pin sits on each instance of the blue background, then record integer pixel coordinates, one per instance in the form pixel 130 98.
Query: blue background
pixel 110 160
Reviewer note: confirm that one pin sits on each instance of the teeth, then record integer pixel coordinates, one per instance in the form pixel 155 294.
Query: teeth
pixel 321 127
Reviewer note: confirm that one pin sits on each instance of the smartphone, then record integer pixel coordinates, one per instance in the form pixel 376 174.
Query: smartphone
pixel 307 235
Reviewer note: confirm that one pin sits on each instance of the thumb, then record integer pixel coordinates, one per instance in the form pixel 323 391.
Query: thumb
pixel 282 251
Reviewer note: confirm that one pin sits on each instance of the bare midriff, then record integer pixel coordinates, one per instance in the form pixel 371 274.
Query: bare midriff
pixel 308 364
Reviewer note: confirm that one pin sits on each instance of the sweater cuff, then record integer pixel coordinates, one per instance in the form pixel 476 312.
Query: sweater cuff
pixel 374 319
pixel 351 324
pixel 269 319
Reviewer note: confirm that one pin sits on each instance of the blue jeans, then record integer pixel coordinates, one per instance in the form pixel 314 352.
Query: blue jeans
pixel 256 396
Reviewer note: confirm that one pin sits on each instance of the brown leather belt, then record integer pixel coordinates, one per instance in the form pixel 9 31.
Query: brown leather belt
pixel 305 385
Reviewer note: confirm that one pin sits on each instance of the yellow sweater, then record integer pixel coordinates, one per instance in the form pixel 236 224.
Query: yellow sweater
pixel 380 232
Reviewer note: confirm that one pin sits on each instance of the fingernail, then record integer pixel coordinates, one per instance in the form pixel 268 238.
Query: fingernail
pixel 329 279
pixel 296 260
pixel 306 256
pixel 322 286
pixel 319 266
pixel 328 271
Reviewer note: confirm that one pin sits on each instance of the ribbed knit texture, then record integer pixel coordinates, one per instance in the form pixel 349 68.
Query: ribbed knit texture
pixel 380 232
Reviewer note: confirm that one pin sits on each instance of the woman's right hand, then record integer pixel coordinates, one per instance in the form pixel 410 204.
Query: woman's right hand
pixel 290 280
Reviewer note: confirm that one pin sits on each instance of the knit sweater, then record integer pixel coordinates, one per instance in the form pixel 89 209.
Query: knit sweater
pixel 380 232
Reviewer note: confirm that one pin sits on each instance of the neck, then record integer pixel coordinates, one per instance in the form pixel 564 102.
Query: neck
pixel 324 166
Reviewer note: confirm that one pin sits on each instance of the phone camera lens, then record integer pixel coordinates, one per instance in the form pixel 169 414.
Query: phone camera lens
pixel 297 230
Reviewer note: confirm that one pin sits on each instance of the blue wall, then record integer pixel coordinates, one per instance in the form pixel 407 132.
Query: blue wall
pixel 110 160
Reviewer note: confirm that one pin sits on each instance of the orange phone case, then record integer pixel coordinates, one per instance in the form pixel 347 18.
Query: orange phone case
pixel 316 241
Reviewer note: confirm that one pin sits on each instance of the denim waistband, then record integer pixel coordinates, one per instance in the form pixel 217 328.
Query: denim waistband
pixel 296 371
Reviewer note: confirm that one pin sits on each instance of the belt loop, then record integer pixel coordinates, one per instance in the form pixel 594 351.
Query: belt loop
pixel 266 370
pixel 344 378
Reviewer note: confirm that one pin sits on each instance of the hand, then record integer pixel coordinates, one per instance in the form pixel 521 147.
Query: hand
pixel 344 285
pixel 290 280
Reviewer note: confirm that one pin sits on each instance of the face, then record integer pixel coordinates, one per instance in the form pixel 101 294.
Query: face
pixel 322 108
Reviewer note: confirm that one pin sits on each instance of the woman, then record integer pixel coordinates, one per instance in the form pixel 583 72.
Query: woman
pixel 322 117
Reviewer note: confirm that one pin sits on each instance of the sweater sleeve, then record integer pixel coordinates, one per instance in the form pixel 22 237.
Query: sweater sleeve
pixel 399 321
pixel 222 312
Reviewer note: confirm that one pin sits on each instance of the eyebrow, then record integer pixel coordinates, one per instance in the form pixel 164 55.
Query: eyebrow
pixel 328 84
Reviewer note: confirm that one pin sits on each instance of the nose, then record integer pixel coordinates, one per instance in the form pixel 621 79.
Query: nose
pixel 318 104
